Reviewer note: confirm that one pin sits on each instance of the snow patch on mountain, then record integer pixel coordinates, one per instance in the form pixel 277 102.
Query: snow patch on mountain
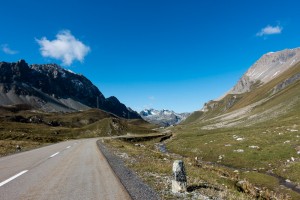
pixel 163 117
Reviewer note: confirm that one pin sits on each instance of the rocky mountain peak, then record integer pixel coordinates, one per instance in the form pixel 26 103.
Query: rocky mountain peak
pixel 11 72
pixel 268 67
pixel 53 88
pixel 52 70
pixel 22 63
pixel 113 99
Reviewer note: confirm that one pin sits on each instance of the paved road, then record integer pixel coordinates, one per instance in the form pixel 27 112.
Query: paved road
pixel 68 170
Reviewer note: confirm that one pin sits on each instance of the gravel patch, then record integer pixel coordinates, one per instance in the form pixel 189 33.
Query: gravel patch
pixel 136 188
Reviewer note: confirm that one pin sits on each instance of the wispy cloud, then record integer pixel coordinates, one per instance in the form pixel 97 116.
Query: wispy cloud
pixel 65 48
pixel 151 98
pixel 269 30
pixel 5 48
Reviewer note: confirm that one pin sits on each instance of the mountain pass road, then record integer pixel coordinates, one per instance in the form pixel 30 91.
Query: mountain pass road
pixel 68 170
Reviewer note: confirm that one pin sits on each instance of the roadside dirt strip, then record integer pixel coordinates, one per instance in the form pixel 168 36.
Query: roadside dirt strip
pixel 67 170
pixel 133 184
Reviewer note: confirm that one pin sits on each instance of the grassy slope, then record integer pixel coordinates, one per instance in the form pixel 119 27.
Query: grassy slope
pixel 17 129
pixel 265 90
pixel 217 108
pixel 269 134
pixel 276 135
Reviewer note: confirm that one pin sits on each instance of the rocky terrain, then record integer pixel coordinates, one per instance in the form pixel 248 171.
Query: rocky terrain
pixel 268 67
pixel 163 117
pixel 51 88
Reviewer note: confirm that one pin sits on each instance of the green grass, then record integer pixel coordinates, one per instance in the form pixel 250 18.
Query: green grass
pixel 30 128
pixel 9 146
pixel 193 117
pixel 210 144
pixel 263 180
pixel 268 128
pixel 155 168
pixel 214 181
pixel 290 171
pixel 276 145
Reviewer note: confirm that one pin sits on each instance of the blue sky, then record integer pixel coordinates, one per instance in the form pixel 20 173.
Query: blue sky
pixel 165 54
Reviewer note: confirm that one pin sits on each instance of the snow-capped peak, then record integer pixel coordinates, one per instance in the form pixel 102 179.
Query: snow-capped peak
pixel 163 117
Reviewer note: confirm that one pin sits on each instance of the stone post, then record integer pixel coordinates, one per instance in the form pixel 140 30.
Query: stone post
pixel 179 184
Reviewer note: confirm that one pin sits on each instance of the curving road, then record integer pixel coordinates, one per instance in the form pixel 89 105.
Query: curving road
pixel 68 170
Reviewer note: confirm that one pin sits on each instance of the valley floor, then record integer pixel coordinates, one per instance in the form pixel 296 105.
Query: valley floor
pixel 221 163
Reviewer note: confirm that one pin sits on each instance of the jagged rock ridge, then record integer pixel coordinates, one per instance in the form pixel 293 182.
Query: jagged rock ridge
pixel 163 117
pixel 52 88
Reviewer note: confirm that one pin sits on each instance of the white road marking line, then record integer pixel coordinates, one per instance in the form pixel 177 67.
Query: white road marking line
pixel 68 147
pixel 54 155
pixel 13 177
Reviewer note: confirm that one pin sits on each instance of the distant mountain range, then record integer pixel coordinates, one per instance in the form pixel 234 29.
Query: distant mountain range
pixel 53 89
pixel 269 89
pixel 163 117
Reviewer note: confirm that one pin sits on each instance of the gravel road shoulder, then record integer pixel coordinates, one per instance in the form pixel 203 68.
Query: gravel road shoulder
pixel 133 184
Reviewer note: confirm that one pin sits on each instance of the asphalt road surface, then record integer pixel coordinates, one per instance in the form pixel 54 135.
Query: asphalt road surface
pixel 68 170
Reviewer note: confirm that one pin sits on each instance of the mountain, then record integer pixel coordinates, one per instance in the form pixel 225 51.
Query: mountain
pixel 163 117
pixel 269 89
pixel 253 129
pixel 53 89
pixel 268 67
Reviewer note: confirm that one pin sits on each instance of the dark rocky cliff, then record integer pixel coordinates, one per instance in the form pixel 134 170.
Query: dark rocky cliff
pixel 52 88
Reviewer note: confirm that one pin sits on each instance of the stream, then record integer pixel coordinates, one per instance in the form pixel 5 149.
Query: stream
pixel 161 147
pixel 282 181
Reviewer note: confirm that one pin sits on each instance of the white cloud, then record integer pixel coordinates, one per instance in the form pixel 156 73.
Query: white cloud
pixel 269 30
pixel 65 48
pixel 8 50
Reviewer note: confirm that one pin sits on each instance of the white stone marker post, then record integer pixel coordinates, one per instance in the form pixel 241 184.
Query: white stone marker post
pixel 179 183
